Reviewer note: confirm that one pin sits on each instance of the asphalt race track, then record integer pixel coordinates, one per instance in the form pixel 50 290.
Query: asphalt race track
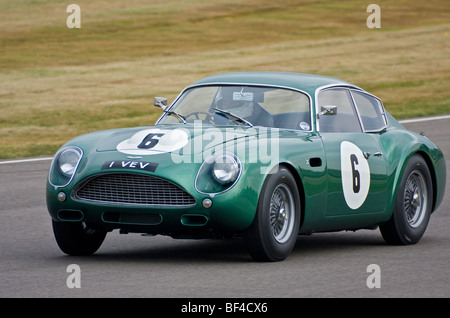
pixel 321 265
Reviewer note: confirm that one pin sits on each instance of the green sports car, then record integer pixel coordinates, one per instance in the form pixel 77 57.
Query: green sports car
pixel 262 156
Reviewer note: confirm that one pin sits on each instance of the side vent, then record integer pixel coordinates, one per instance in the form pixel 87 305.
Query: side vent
pixel 315 162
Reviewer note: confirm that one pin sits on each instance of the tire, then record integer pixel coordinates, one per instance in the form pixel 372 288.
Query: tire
pixel 74 238
pixel 274 231
pixel 413 204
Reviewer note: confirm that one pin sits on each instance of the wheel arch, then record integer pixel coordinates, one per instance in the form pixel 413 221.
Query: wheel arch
pixel 401 170
pixel 432 170
pixel 300 188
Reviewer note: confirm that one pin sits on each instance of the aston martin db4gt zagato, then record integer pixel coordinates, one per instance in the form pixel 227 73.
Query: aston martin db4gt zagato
pixel 261 156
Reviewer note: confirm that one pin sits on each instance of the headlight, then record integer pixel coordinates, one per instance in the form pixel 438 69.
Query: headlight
pixel 64 165
pixel 218 173
pixel 68 161
pixel 225 169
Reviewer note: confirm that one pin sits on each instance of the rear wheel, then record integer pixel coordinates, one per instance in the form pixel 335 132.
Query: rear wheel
pixel 412 207
pixel 274 231
pixel 75 238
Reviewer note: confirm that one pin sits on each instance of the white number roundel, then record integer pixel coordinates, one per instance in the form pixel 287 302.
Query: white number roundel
pixel 355 173
pixel 153 141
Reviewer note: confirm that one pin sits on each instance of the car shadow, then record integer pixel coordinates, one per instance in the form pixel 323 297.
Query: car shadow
pixel 178 251
pixel 320 243
pixel 169 250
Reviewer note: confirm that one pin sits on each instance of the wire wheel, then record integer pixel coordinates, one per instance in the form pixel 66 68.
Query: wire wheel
pixel 413 205
pixel 273 233
pixel 415 198
pixel 282 213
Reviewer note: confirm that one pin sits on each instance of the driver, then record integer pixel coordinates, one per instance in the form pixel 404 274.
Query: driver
pixel 228 99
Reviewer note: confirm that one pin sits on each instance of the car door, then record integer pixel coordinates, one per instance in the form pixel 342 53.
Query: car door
pixel 356 167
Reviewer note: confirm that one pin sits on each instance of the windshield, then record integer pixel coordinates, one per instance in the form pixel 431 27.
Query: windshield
pixel 242 105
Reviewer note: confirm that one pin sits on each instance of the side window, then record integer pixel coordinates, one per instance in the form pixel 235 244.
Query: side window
pixel 370 111
pixel 289 109
pixel 345 120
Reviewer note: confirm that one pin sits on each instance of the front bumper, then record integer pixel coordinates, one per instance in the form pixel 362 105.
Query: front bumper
pixel 231 211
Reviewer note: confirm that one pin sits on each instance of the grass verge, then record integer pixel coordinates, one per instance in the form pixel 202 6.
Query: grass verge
pixel 57 83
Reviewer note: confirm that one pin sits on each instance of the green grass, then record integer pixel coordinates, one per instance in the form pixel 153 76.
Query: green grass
pixel 57 83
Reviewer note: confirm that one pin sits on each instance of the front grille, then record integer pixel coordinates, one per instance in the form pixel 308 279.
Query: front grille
pixel 127 188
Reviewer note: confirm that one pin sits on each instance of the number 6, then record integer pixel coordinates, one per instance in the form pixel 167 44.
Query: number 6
pixel 149 142
pixel 355 173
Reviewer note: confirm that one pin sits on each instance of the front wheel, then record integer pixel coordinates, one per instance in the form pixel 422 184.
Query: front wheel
pixel 274 231
pixel 75 238
pixel 412 207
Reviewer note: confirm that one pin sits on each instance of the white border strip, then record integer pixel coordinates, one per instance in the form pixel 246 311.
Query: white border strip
pixel 25 160
pixel 406 121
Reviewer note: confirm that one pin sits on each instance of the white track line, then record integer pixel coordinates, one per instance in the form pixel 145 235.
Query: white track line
pixel 406 121
pixel 25 160
pixel 416 120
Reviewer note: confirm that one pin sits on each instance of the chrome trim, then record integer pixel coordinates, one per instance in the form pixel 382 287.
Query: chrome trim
pixel 246 84
pixel 75 197
pixel 381 108
pixel 361 124
pixel 325 87
pixel 350 88
pixel 56 158
pixel 214 156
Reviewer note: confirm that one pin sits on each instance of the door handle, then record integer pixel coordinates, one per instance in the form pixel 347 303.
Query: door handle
pixel 378 154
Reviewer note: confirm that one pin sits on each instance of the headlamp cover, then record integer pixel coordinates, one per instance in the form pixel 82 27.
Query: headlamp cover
pixel 64 165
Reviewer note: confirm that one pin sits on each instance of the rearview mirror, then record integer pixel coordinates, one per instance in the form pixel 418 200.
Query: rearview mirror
pixel 328 110
pixel 160 102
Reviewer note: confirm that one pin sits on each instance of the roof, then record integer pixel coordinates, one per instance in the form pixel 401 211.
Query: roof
pixel 305 82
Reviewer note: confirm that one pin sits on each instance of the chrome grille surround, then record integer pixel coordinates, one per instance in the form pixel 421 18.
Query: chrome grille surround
pixel 132 189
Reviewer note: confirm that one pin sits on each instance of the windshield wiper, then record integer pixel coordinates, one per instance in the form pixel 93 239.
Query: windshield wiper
pixel 181 118
pixel 162 102
pixel 233 117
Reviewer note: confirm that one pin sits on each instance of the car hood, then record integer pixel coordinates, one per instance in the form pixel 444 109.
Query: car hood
pixel 169 138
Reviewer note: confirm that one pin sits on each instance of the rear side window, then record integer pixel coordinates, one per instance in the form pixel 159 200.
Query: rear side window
pixel 370 111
